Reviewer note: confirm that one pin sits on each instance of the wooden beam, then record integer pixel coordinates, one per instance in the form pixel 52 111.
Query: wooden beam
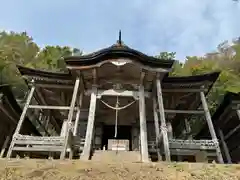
pixel 34 117
pixel 163 120
pixel 4 146
pixel 112 92
pixel 56 99
pixel 172 111
pixel 39 149
pixel 210 125
pixel 157 127
pixel 235 129
pixel 191 145
pixel 90 125
pixel 78 114
pixel 225 147
pixel 52 107
pixel 186 152
pixel 70 116
pixel 54 86
pixel 143 125
pixel 183 90
pixel 15 115
pixel 236 102
pixel 54 122
pixel 20 122
pixel 148 68
pixel 76 122
pixel 7 114
pixel 232 132
pixel 8 138
pixel 225 116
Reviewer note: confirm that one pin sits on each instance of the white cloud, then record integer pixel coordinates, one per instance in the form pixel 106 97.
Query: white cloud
pixel 188 27
pixel 191 27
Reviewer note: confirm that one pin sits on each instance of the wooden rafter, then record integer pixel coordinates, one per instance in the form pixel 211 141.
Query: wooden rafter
pixel 44 102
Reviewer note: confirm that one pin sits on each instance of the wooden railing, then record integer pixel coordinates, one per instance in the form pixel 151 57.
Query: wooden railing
pixel 192 144
pixel 185 147
pixel 38 143
pixel 43 143
pixel 78 142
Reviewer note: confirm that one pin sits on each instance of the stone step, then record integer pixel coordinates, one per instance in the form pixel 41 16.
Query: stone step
pixel 117 156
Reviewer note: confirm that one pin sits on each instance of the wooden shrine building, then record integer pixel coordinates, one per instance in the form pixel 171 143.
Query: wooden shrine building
pixel 117 99
pixel 226 121
pixel 10 113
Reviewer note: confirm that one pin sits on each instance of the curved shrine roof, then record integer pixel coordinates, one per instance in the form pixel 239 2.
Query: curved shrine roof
pixel 43 74
pixel 185 100
pixel 226 118
pixel 224 109
pixel 168 82
pixel 211 77
pixel 117 51
pixel 228 100
pixel 45 94
pixel 9 103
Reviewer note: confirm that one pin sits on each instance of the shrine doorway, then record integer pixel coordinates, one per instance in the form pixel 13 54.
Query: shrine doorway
pixel 123 133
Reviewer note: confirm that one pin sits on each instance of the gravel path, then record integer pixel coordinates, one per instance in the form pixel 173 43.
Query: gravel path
pixel 64 170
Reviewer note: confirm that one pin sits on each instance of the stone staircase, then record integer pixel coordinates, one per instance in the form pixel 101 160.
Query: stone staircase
pixel 116 156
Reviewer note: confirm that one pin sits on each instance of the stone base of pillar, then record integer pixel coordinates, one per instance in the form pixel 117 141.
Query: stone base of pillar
pixel 84 157
pixel 201 156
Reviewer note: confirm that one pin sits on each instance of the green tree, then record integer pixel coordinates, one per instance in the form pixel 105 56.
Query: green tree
pixel 15 48
pixel 50 58
pixel 19 48
pixel 166 55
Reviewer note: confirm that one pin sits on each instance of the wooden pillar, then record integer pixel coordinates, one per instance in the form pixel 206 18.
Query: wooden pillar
pixel 157 127
pixel 170 131
pixel 201 156
pixel 224 145
pixel 188 128
pixel 210 126
pixel 234 129
pixel 47 121
pixel 64 128
pixel 5 145
pixel 78 114
pixel 43 120
pixel 143 125
pixel 163 121
pixel 2 134
pixel 90 125
pixel 135 137
pixel 70 116
pixel 20 122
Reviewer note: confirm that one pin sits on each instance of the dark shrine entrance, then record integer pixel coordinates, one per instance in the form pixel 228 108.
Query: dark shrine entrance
pixel 123 133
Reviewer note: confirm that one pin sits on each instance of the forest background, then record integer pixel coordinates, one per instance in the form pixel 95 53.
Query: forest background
pixel 20 48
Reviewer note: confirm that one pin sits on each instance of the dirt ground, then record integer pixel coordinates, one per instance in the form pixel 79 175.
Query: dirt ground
pixel 88 170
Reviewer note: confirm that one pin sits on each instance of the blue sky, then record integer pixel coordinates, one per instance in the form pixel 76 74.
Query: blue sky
pixel 187 27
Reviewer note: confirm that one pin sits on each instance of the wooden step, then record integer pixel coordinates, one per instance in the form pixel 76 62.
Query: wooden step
pixel 116 156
